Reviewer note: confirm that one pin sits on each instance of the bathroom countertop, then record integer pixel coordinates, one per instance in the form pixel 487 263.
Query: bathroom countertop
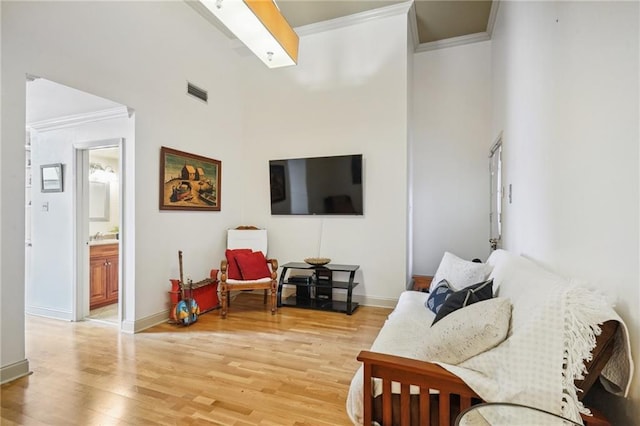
pixel 103 242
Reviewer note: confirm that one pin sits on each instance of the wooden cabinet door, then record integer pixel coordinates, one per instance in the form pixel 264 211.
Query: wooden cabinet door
pixel 112 278
pixel 98 281
pixel 103 275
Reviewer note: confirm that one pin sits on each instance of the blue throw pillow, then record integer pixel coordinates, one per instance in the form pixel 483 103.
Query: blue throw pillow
pixel 465 297
pixel 438 296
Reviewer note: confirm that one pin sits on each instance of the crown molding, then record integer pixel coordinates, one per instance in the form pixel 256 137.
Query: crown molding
pixel 453 41
pixel 493 14
pixel 77 119
pixel 413 26
pixel 407 7
pixel 357 18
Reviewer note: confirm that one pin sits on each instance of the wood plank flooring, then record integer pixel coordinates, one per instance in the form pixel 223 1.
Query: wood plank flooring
pixel 253 368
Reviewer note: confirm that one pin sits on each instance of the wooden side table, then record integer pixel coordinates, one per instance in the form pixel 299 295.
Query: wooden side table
pixel 421 282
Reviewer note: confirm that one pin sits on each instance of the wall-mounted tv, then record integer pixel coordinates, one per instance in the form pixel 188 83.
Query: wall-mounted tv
pixel 317 186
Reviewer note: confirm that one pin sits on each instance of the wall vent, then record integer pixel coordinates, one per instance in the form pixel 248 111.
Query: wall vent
pixel 197 92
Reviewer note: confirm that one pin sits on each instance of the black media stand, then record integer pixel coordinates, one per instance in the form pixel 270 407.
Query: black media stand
pixel 315 291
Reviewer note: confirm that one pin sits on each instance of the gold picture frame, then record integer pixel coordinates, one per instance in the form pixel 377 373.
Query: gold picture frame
pixel 189 181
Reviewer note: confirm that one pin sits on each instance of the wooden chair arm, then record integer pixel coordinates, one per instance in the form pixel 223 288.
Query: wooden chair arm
pixel 274 263
pixel 274 268
pixel 407 372
pixel 431 373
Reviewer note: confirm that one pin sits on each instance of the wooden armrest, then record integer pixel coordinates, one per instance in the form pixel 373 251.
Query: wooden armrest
pixel 411 372
pixel 413 367
pixel 274 268
pixel 599 356
pixel 274 264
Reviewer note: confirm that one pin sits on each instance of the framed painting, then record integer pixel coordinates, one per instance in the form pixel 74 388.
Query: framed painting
pixel 189 181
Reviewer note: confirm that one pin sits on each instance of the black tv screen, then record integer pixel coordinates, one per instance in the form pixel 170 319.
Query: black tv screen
pixel 317 186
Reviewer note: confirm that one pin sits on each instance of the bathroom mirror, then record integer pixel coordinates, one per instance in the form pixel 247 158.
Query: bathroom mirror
pixel 98 201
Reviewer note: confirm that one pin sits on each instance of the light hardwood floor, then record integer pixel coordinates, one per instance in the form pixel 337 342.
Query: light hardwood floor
pixel 253 368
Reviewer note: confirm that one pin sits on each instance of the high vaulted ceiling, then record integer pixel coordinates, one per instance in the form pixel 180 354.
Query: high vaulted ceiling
pixel 438 23
pixel 436 19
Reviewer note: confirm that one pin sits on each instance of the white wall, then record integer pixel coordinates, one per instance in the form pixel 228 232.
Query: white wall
pixel 140 55
pixel 347 95
pixel 451 141
pixel 50 288
pixel 566 94
pixel 12 166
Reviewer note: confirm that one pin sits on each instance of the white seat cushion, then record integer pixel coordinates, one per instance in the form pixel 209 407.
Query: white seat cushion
pixel 261 280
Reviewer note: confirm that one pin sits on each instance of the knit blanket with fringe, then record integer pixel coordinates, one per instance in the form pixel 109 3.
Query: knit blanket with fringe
pixel 554 325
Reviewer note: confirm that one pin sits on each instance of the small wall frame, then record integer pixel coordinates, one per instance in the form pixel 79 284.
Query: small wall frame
pixel 51 178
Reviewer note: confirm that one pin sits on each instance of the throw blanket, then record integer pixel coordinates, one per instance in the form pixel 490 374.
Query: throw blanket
pixel 554 324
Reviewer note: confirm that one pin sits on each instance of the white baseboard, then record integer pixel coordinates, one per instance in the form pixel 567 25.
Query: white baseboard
pixel 144 323
pixel 14 371
pixel 162 317
pixel 49 313
pixel 380 302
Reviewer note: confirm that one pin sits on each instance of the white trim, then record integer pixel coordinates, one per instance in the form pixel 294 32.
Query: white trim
pixel 81 276
pixel 49 313
pixel 77 119
pixel 210 17
pixel 381 302
pixel 493 15
pixel 128 327
pixel 413 26
pixel 453 41
pixel 146 322
pixel 14 371
pixel 496 144
pixel 356 18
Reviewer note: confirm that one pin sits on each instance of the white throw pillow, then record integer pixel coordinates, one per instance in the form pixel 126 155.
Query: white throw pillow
pixel 468 332
pixel 459 272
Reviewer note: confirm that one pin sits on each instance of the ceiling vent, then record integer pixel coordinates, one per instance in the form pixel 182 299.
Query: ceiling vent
pixel 197 92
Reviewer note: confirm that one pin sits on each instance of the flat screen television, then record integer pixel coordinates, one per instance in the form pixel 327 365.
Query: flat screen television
pixel 317 186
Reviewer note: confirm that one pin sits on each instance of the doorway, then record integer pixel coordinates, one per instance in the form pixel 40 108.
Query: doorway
pixel 75 130
pixel 103 215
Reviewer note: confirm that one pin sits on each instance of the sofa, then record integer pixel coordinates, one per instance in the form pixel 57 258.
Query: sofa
pixel 507 330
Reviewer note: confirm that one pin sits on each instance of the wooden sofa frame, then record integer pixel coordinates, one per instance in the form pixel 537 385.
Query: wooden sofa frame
pixel 453 395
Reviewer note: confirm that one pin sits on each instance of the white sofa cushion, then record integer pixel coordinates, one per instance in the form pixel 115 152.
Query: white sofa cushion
pixel 468 332
pixel 459 272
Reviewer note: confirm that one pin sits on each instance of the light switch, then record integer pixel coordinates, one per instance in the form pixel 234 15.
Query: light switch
pixel 45 206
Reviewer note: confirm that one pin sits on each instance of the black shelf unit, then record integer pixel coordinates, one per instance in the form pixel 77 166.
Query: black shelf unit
pixel 316 292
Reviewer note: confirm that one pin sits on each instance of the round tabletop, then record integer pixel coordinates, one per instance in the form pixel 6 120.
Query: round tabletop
pixel 508 414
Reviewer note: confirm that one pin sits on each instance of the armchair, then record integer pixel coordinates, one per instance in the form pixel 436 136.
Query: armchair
pixel 246 267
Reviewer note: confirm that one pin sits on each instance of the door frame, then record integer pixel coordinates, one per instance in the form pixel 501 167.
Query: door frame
pixel 496 194
pixel 80 306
